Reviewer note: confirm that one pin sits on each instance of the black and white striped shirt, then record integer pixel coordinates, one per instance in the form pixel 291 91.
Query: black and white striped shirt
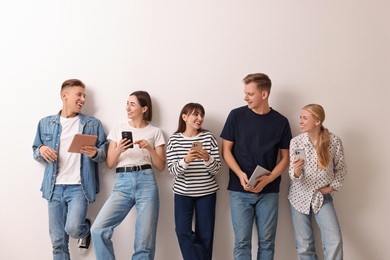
pixel 198 177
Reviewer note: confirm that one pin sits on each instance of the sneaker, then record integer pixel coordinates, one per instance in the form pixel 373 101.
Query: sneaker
pixel 84 242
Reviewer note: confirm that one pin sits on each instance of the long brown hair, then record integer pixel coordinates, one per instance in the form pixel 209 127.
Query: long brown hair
pixel 322 145
pixel 188 109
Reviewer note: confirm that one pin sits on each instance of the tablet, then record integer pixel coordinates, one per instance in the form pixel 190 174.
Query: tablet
pixel 259 171
pixel 80 140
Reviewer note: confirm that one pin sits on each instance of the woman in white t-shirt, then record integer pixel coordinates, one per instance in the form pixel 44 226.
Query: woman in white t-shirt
pixel 135 184
pixel 314 177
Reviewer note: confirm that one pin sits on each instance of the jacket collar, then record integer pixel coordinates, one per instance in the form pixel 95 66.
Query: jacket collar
pixel 83 118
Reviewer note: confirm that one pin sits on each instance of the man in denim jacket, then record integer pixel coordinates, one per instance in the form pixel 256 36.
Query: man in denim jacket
pixel 70 180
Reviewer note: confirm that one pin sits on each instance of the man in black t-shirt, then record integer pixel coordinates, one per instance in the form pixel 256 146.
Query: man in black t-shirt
pixel 254 135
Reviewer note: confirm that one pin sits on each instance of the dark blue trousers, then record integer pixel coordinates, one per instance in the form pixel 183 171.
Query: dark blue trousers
pixel 198 244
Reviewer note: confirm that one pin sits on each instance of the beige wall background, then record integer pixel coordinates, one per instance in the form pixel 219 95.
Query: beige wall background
pixel 335 53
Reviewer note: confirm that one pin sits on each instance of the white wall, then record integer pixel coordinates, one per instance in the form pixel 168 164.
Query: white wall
pixel 335 53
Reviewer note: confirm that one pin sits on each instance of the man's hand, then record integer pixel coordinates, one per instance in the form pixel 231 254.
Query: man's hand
pixel 262 182
pixel 49 154
pixel 89 150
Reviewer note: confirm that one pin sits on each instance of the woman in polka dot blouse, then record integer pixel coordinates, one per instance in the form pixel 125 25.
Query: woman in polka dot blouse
pixel 314 177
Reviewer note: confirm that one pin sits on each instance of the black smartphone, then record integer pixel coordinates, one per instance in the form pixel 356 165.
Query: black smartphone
pixel 128 135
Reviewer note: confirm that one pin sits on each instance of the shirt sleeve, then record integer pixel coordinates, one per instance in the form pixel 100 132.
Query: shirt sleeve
pixel 176 165
pixel 159 138
pixel 285 142
pixel 293 146
pixel 228 129
pixel 214 164
pixel 339 168
pixel 37 144
pixel 101 144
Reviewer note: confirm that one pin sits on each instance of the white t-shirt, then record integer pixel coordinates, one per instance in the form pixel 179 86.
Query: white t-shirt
pixel 136 156
pixel 68 163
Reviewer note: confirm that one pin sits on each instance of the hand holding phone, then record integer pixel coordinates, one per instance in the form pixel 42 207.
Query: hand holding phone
pixel 129 136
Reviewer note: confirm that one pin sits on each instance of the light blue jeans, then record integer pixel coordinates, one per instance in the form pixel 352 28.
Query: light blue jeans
pixel 67 213
pixel 247 208
pixel 137 189
pixel 330 232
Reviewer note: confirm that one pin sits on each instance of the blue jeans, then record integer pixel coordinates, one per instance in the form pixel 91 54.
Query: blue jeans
pixel 137 189
pixel 67 213
pixel 330 232
pixel 196 245
pixel 247 208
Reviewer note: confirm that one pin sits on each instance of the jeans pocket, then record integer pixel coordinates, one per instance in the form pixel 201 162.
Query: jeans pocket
pixel 328 197
pixel 122 181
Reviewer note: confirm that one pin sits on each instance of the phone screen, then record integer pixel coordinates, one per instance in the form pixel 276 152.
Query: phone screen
pixel 128 135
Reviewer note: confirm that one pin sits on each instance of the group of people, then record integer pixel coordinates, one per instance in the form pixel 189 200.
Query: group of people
pixel 254 134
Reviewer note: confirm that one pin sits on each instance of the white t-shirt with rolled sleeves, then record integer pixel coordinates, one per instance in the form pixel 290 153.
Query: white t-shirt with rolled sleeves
pixel 136 156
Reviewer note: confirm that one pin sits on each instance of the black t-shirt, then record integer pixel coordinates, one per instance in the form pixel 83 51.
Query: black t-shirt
pixel 257 140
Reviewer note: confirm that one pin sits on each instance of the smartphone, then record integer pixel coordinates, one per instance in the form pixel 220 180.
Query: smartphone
pixel 300 153
pixel 128 135
pixel 197 145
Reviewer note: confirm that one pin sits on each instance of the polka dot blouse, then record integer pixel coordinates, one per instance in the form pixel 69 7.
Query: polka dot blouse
pixel 304 193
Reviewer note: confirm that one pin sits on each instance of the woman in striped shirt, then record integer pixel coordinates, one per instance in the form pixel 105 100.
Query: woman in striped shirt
pixel 193 159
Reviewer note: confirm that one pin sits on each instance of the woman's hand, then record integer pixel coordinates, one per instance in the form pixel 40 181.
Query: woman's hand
pixel 298 166
pixel 144 144
pixel 203 154
pixel 123 145
pixel 192 155
pixel 326 190
pixel 196 154
pixel 157 154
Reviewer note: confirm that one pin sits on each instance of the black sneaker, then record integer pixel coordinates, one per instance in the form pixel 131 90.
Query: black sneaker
pixel 84 242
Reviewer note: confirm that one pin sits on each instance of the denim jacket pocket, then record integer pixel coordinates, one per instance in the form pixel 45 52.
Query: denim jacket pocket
pixel 47 138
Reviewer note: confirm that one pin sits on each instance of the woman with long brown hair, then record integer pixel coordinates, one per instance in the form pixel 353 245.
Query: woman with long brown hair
pixel 135 184
pixel 193 159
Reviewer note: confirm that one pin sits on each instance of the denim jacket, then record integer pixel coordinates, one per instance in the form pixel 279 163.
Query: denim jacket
pixel 49 132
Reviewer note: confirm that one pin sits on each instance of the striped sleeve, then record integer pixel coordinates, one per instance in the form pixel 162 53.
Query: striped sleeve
pixel 177 149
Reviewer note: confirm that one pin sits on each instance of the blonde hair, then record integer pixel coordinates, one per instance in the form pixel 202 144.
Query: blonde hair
pixel 322 145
